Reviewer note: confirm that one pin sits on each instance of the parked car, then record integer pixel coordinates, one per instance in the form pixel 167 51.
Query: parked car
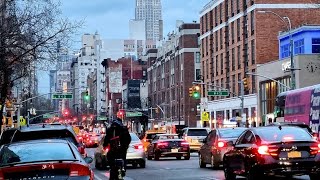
pixel 273 150
pixel 168 145
pixel 43 159
pixel 135 154
pixel 42 131
pixel 215 145
pixel 195 136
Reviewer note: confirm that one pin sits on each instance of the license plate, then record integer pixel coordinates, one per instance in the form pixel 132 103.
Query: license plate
pixel 294 154
pixel 195 140
pixel 174 150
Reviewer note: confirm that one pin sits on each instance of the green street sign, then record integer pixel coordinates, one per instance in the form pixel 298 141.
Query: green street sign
pixel 102 118
pixel 218 93
pixel 133 114
pixel 48 115
pixel 62 96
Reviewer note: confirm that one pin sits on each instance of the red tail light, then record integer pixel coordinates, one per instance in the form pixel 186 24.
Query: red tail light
pixel 268 150
pixel 221 144
pixel 1 175
pixel 138 146
pixel 79 170
pixel 106 149
pixel 315 149
pixel 162 144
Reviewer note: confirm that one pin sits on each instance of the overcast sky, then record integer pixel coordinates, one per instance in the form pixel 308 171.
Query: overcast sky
pixel 111 18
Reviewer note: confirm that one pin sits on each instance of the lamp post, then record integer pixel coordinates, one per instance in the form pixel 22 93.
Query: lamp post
pixel 287 21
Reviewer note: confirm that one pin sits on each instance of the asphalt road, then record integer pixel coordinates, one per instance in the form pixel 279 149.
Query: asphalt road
pixel 171 169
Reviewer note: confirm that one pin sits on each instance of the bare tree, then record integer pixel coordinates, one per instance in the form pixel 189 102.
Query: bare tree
pixel 29 32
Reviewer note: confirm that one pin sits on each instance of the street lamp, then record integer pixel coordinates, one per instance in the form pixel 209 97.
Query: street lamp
pixel 287 21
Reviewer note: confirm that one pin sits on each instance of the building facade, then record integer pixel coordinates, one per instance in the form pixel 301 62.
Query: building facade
pixel 306 50
pixel 238 35
pixel 151 12
pixel 172 68
pixel 117 73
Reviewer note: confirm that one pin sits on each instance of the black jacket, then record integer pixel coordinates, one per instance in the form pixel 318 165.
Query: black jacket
pixel 117 133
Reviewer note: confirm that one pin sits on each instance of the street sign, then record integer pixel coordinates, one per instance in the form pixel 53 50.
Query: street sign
pixel 48 116
pixel 102 118
pixel 133 114
pixel 61 96
pixel 205 116
pixel 218 93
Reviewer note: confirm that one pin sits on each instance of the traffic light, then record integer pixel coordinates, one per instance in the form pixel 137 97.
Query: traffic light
pixel 196 92
pixel 245 84
pixel 86 96
pixel 65 112
pixel 191 92
pixel 120 114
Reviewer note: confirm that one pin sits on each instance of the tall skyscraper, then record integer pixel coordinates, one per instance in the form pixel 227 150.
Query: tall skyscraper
pixel 151 12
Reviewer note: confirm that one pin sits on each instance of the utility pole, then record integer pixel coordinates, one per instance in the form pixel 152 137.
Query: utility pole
pixel 242 101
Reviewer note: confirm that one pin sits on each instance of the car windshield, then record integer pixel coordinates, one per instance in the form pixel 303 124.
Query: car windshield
pixel 31 152
pixel 151 136
pixel 134 137
pixel 197 132
pixel 46 134
pixel 284 134
pixel 231 133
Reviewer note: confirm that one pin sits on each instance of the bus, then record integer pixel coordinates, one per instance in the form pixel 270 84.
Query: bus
pixel 300 105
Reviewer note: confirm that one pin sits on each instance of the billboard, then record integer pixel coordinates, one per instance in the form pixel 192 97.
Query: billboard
pixel 134 101
pixel 115 79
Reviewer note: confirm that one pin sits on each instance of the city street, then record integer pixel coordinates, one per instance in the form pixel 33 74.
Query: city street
pixel 171 169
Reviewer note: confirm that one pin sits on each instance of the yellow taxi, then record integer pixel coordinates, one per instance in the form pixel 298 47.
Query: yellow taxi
pixel 149 135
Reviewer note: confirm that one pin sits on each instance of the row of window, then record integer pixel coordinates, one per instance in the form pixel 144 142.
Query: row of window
pixel 299 47
pixel 220 38
pixel 208 22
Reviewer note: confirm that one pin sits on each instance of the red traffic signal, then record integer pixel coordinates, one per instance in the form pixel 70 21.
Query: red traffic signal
pixel 65 112
pixel 120 114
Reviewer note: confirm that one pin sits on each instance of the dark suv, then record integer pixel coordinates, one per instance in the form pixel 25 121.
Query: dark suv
pixel 41 131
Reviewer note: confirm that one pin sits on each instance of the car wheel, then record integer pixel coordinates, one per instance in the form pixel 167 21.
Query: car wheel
pixel 201 163
pixel 254 174
pixel 97 165
pixel 142 164
pixel 314 176
pixel 213 164
pixel 178 157
pixel 134 165
pixel 228 173
pixel 187 157
pixel 156 156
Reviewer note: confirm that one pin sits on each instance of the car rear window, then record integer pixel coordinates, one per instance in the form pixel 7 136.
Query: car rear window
pixel 284 134
pixel 168 137
pixel 134 137
pixel 46 134
pixel 151 136
pixel 31 152
pixel 231 133
pixel 197 132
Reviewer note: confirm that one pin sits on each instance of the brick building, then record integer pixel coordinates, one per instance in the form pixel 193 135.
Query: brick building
pixel 117 74
pixel 235 37
pixel 171 70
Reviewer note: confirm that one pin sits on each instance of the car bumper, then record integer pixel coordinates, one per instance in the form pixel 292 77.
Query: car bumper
pixel 291 167
pixel 136 155
pixel 169 153
pixel 195 147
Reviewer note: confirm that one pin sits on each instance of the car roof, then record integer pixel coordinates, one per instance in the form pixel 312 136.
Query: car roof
pixel 40 127
pixel 37 141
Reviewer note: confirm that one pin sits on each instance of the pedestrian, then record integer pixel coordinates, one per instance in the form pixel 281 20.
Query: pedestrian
pixel 117 139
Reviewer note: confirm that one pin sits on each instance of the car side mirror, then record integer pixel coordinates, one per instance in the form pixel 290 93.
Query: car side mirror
pixel 88 159
pixel 230 143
